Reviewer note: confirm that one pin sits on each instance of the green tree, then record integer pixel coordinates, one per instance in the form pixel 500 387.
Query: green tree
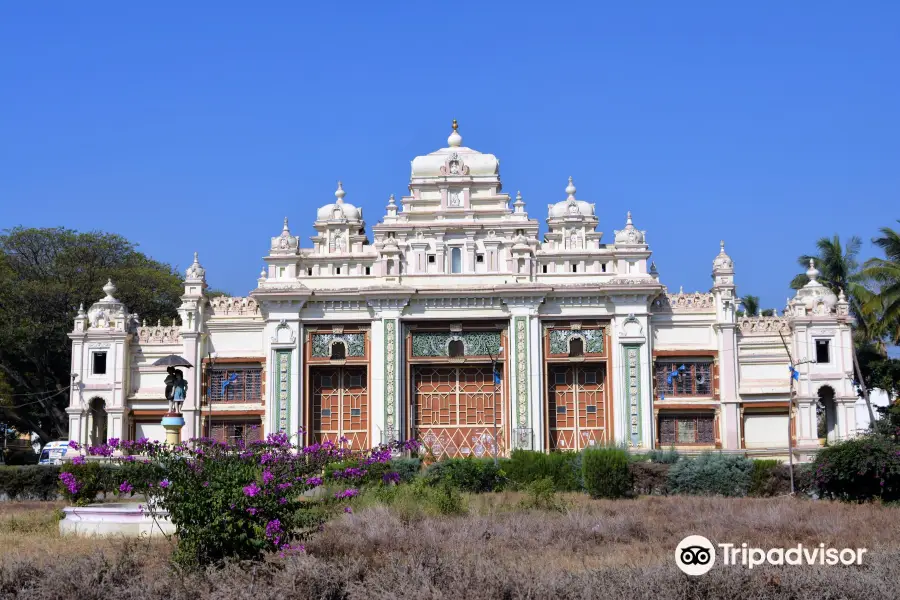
pixel 837 264
pixel 751 305
pixel 44 275
pixel 884 304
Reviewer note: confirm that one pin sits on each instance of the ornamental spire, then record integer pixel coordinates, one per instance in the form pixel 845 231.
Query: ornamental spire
pixel 570 189
pixel 340 193
pixel 455 140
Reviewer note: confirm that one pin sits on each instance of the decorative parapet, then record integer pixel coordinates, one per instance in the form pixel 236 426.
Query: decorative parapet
pixel 475 343
pixel 764 325
pixel 233 306
pixel 159 334
pixel 698 302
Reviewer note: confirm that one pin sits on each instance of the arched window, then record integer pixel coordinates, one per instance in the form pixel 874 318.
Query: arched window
pixel 576 347
pixel 456 349
pixel 338 351
pixel 390 267
pixel 456 260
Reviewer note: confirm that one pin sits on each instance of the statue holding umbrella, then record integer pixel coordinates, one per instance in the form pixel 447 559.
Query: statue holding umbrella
pixel 176 391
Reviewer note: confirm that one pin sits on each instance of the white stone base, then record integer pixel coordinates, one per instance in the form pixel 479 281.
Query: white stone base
pixel 118 518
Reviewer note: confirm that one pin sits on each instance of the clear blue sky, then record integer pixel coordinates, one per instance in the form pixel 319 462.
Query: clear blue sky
pixel 191 126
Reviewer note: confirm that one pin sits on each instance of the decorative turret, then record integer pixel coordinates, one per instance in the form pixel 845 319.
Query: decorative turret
pixel 814 298
pixel 339 210
pixel 570 207
pixel 630 236
pixel 722 264
pixel 108 313
pixel 723 286
pixel 195 273
pixel 519 204
pixel 285 243
pixel 193 302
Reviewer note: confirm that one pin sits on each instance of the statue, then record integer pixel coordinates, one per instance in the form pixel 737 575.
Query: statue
pixel 176 389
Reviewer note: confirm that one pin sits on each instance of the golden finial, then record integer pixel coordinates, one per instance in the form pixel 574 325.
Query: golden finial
pixel 455 125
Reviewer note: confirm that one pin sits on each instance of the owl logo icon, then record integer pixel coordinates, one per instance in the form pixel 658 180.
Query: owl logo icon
pixel 695 555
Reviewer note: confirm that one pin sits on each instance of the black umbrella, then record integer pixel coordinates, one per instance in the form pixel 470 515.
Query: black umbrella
pixel 173 360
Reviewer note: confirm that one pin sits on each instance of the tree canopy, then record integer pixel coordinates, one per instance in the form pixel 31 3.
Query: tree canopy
pixel 44 275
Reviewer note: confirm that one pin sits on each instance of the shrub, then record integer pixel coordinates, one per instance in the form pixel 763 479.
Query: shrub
pixel 605 472
pixel 406 468
pixel 527 466
pixel 668 456
pixel 858 469
pixel 29 483
pixel 418 499
pixel 769 478
pixel 231 501
pixel 711 474
pixel 470 474
pixel 650 478
pixel 541 495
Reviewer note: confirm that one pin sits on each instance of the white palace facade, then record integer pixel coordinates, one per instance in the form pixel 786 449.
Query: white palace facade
pixel 400 337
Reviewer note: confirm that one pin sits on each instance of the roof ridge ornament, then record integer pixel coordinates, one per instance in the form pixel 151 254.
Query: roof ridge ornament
pixel 339 193
pixel 813 273
pixel 570 189
pixel 455 140
pixel 109 289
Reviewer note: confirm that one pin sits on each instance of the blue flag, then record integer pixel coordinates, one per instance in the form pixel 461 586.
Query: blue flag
pixel 228 381
pixel 497 378
pixel 795 374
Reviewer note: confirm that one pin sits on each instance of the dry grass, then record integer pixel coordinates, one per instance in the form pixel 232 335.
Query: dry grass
pixel 594 549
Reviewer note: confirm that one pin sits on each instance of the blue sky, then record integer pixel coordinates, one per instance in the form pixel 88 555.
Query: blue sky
pixel 199 126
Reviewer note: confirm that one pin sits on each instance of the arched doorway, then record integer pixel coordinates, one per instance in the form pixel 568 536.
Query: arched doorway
pixel 97 430
pixel 826 415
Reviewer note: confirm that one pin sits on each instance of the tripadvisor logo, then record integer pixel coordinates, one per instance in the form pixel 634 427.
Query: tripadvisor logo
pixel 696 555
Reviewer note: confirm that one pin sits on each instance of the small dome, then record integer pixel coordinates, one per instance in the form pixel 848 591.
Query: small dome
pixel 570 207
pixel 630 235
pixel 817 298
pixel 339 209
pixel 722 260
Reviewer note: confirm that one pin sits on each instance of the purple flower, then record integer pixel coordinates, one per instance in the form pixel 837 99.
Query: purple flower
pixel 113 442
pixel 126 488
pixel 205 484
pixel 282 500
pixel 70 482
pixel 348 510
pixel 78 460
pixel 74 444
pixel 252 511
pixel 391 477
pixel 251 490
pixel 267 477
pixel 314 481
pixel 273 528
pixel 348 493
pixel 164 483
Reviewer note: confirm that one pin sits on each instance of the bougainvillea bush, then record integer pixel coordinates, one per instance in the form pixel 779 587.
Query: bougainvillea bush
pixel 233 501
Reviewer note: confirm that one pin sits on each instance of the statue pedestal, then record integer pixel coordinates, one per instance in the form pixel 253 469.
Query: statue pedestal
pixel 172 423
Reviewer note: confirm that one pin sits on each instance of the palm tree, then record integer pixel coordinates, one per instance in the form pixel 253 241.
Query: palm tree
pixel 839 270
pixel 751 305
pixel 885 273
pixel 837 264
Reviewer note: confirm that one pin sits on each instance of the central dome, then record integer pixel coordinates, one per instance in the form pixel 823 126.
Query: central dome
pixel 455 161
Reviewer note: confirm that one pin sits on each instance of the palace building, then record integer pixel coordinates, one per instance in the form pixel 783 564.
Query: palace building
pixel 455 324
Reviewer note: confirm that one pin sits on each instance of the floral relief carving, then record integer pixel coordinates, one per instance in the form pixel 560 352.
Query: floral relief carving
pixel 475 343
pixel 159 334
pixel 685 302
pixel 522 370
pixel 763 325
pixel 390 372
pixel 231 306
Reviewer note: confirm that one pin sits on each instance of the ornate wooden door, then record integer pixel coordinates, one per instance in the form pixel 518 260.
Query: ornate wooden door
pixel 458 410
pixel 577 406
pixel 340 405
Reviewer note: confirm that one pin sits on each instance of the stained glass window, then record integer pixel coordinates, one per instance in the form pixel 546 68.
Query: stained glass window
pixel 686 429
pixel 244 384
pixel 694 379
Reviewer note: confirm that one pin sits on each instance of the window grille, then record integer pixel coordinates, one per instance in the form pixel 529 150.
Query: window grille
pixel 232 432
pixel 245 385
pixel 695 379
pixel 686 429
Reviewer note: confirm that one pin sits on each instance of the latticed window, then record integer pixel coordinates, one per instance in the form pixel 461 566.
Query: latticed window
pixel 242 384
pixel 686 429
pixel 683 378
pixel 232 432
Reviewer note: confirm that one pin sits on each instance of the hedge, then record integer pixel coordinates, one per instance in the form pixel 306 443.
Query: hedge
pixel 711 474
pixel 30 482
pixel 562 468
pixel 605 473
pixel 650 478
pixel 468 474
